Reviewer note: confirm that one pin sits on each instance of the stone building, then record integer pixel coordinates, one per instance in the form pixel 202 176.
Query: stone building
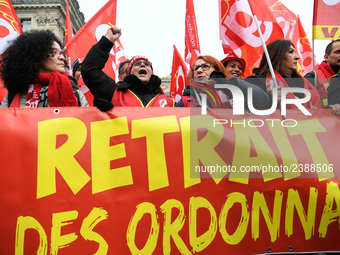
pixel 166 81
pixel 48 14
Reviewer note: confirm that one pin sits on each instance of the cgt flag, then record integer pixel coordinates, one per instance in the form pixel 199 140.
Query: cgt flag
pixel 294 31
pixel 10 28
pixel 120 55
pixel 90 34
pixel 326 19
pixel 178 76
pixel 303 48
pixel 284 17
pixel 192 44
pixel 239 32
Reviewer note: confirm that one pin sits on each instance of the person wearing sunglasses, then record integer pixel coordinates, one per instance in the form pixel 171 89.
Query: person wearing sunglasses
pixel 140 87
pixel 208 71
pixel 33 71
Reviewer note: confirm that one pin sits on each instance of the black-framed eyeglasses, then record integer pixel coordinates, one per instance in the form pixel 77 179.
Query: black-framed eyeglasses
pixel 140 62
pixel 205 67
pixel 57 52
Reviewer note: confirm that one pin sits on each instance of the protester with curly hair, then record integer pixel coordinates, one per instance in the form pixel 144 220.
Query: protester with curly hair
pixel 33 71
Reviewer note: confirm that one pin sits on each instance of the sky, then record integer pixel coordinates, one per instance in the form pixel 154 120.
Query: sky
pixel 151 27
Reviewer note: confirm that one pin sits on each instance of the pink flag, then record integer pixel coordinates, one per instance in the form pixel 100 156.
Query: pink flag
pixel 90 34
pixel 178 76
pixel 68 26
pixel 192 44
pixel 239 32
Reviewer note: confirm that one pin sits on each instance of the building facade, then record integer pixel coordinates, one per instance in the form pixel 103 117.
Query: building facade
pixel 48 14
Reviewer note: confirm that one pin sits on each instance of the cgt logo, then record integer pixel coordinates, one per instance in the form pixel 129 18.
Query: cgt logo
pixel 238 100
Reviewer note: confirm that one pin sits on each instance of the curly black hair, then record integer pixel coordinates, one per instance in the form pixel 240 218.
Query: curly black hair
pixel 22 59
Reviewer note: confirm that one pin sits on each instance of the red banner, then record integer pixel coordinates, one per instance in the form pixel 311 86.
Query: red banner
pixel 326 19
pixel 239 32
pixel 192 44
pixel 159 181
pixel 178 76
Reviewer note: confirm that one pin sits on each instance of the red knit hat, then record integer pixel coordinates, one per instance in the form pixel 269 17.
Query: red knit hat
pixel 133 60
pixel 232 57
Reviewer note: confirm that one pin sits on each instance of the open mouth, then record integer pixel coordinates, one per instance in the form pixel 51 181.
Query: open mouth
pixel 142 72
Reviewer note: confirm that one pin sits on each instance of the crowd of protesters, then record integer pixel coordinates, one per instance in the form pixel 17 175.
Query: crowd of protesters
pixel 41 80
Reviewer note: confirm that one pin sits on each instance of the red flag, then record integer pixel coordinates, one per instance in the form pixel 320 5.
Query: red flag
pixel 284 17
pixel 3 92
pixel 192 44
pixel 303 48
pixel 10 28
pixel 9 24
pixel 68 26
pixel 239 32
pixel 294 31
pixel 120 55
pixel 178 76
pixel 326 19
pixel 90 34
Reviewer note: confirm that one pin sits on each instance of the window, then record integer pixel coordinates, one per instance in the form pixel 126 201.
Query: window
pixel 26 24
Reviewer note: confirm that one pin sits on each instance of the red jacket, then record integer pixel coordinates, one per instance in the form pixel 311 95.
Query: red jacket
pixel 324 75
pixel 128 98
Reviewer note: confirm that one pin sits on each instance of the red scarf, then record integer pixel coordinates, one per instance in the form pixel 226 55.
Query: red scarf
pixel 313 103
pixel 60 92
